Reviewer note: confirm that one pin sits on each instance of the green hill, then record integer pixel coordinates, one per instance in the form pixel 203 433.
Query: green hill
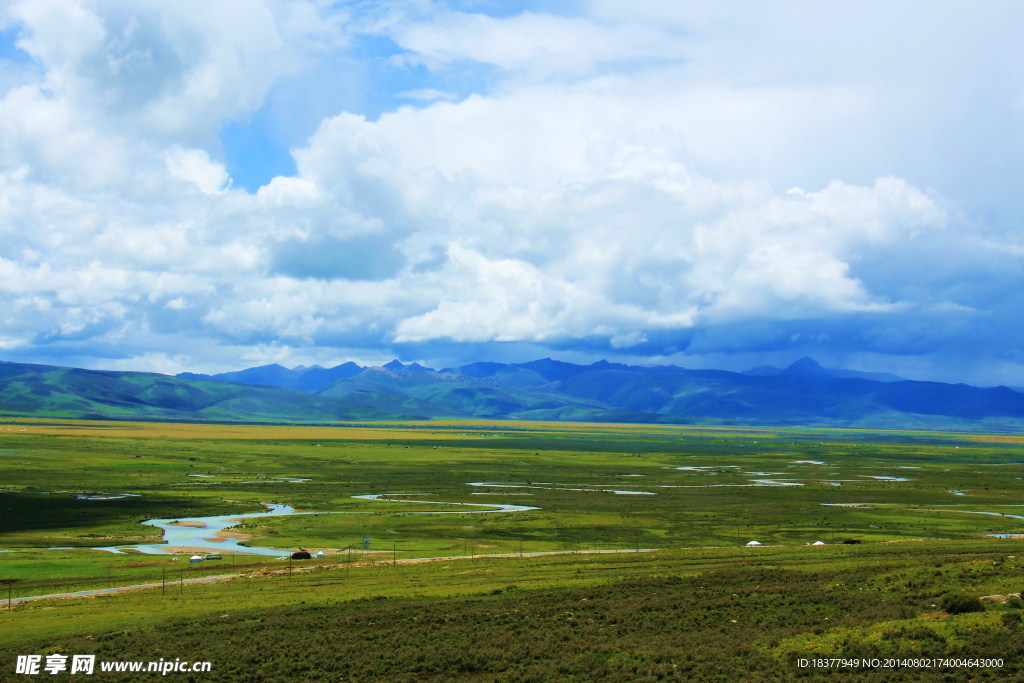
pixel 42 390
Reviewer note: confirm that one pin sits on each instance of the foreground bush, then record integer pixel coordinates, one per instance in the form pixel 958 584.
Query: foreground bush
pixel 959 603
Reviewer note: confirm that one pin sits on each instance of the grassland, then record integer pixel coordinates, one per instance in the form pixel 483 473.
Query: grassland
pixel 698 607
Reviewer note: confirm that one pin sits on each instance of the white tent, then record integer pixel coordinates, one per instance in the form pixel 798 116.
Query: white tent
pixel 195 558
pixel 753 544
pixel 320 553
pixel 818 543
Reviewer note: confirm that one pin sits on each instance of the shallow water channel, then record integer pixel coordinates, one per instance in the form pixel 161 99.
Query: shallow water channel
pixel 200 532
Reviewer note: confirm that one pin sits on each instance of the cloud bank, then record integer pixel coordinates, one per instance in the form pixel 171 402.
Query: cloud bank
pixel 677 183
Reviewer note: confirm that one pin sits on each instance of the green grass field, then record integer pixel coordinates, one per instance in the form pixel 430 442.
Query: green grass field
pixel 921 504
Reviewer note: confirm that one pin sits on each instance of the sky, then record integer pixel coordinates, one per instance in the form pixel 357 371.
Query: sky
pixel 212 186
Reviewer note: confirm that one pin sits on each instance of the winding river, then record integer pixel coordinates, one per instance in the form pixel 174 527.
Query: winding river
pixel 200 533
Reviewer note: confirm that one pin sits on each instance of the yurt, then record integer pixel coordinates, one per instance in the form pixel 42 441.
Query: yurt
pixel 818 543
pixel 195 558
pixel 753 544
pixel 319 554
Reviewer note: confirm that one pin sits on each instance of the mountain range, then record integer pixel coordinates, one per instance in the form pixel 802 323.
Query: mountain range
pixel 803 393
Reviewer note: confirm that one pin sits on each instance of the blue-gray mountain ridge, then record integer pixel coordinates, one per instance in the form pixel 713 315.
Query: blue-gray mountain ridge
pixel 802 394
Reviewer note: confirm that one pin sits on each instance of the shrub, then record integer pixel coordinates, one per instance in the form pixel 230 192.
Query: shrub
pixel 959 603
pixel 914 633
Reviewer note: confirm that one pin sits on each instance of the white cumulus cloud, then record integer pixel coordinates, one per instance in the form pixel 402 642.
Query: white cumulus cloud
pixel 626 179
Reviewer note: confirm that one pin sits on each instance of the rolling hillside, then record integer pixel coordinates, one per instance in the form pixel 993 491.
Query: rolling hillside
pixel 42 390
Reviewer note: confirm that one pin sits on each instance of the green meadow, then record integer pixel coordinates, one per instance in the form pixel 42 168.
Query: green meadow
pixel 695 603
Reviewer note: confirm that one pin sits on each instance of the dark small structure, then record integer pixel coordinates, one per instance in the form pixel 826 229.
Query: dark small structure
pixel 851 541
pixel 301 555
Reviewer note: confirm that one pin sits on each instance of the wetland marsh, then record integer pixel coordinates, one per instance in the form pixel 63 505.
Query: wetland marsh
pixel 370 495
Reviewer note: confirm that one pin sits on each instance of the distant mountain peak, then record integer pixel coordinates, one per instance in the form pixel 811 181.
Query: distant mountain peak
pixel 416 367
pixel 806 368
pixel 397 366
pixel 553 369
pixel 479 369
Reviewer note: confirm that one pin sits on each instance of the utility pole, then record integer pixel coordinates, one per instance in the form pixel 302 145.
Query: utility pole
pixel 9 582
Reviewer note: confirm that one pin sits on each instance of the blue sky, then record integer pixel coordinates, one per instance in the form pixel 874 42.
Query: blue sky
pixel 210 186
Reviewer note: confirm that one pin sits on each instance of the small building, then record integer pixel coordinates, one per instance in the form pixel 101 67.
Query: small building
pixel 213 556
pixel 195 558
pixel 851 541
pixel 753 544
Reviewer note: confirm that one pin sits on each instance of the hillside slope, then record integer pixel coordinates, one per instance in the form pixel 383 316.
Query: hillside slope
pixel 44 390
